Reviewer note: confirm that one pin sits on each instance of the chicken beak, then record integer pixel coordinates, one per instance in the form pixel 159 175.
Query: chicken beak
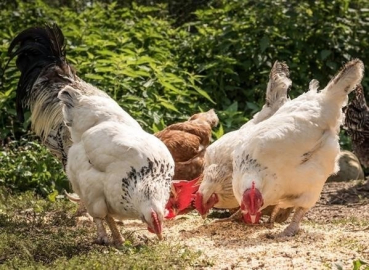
pixel 160 236
pixel 204 216
pixel 253 218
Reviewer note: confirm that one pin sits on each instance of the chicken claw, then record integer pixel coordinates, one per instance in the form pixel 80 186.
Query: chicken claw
pixel 294 226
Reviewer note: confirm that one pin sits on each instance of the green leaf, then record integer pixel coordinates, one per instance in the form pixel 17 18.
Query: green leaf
pixel 264 43
pixel 169 106
pixel 358 263
pixel 324 54
pixel 220 132
pixel 204 94
pixel 93 76
pixel 52 196
pixel 233 107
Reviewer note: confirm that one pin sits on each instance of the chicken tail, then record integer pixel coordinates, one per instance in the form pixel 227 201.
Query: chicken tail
pixel 345 81
pixel 38 49
pixel 72 197
pixel 314 85
pixel 276 93
pixel 278 85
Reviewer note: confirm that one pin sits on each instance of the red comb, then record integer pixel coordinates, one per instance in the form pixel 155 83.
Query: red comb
pixel 182 196
pixel 186 187
pixel 185 190
pixel 252 194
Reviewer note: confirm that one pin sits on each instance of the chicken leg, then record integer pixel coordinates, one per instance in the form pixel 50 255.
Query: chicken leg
pixel 102 237
pixel 294 226
pixel 117 236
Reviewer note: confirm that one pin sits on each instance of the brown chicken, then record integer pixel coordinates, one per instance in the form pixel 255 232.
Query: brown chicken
pixel 357 125
pixel 187 142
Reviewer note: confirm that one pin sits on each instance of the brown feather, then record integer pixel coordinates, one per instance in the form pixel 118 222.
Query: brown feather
pixel 187 141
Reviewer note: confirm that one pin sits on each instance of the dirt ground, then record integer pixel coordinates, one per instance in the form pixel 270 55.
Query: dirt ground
pixel 333 235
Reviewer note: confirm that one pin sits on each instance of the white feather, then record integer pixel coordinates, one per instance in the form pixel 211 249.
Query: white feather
pixel 219 155
pixel 290 155
pixel 115 167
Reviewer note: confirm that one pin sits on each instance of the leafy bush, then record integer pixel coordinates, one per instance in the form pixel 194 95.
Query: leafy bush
pixel 125 52
pixel 236 44
pixel 26 165
pixel 161 74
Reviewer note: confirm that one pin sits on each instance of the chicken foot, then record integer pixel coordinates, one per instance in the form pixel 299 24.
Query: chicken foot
pixel 294 226
pixel 102 237
pixel 117 236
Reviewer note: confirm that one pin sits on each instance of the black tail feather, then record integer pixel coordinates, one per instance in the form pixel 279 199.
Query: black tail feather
pixel 38 48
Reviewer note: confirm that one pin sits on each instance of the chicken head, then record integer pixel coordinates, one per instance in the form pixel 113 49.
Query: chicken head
pixel 204 205
pixel 252 201
pixel 209 117
pixel 154 222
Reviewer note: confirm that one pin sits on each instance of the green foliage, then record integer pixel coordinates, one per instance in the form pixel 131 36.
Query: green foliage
pixel 26 165
pixel 359 264
pixel 162 72
pixel 237 42
pixel 125 52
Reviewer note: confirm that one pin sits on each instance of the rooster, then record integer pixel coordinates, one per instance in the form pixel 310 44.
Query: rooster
pixel 286 159
pixel 41 59
pixel 116 168
pixel 357 125
pixel 216 187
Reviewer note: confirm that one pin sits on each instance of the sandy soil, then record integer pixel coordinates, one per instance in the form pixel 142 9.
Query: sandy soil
pixel 333 234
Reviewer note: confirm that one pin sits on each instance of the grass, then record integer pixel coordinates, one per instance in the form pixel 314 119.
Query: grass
pixel 39 234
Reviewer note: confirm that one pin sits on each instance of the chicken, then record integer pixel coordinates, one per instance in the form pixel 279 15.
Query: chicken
pixel 116 168
pixel 357 125
pixel 186 142
pixel 216 187
pixel 41 59
pixel 286 159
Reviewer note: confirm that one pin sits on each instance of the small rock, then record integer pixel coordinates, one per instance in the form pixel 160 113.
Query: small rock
pixel 350 168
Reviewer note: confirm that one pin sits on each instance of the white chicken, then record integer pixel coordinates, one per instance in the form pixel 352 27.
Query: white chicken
pixel 216 187
pixel 40 54
pixel 286 159
pixel 116 168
